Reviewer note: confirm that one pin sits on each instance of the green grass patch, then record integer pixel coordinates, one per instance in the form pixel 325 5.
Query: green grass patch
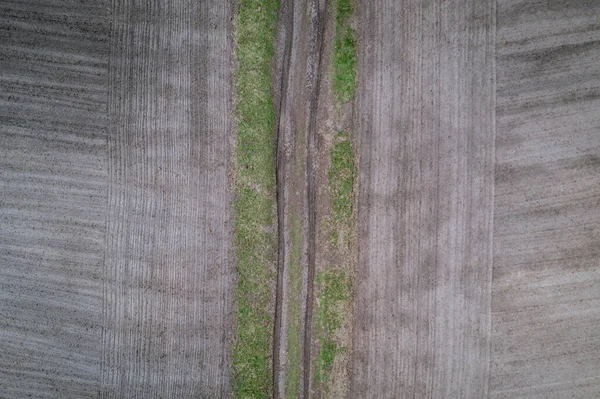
pixel 344 52
pixel 294 344
pixel 333 284
pixel 341 177
pixel 254 205
pixel 333 305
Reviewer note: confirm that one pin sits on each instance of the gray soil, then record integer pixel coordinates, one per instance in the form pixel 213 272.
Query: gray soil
pixel 115 238
pixel 477 127
pixel 426 138
pixel 546 287
pixel 169 264
pixel 53 189
pixel 440 161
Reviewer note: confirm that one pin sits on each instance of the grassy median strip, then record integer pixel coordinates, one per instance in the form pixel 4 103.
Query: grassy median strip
pixel 332 312
pixel 334 283
pixel 344 52
pixel 255 196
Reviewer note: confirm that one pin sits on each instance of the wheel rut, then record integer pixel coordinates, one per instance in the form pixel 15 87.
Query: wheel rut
pixel 296 89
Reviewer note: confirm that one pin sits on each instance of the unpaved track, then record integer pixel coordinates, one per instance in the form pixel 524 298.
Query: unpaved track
pixel 296 81
pixel 53 187
pixel 426 144
pixel 546 298
pixel 169 264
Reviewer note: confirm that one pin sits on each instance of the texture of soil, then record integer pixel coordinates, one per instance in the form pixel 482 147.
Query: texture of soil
pixel 476 256
pixel 546 285
pixel 426 143
pixel 53 190
pixel 116 259
pixel 169 263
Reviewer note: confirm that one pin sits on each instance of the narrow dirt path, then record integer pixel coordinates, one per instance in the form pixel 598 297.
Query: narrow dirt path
pixel 426 142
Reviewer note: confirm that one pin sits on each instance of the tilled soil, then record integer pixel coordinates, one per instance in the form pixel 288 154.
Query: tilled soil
pixel 53 188
pixel 117 264
pixel 426 143
pixel 169 262
pixel 545 302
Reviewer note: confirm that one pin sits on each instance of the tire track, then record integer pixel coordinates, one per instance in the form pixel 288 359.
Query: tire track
pixel 300 51
pixel 317 30
pixel 283 59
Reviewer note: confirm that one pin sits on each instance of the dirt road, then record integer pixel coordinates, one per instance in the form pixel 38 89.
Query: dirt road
pixel 297 79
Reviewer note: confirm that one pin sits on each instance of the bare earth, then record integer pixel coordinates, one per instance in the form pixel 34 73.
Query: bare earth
pixel 477 129
pixel 546 297
pixel 169 264
pixel 428 196
pixel 53 188
pixel 426 109
pixel 116 258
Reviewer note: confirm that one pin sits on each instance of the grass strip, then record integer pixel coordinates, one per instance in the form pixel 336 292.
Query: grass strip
pixel 334 285
pixel 344 53
pixel 254 185
pixel 333 306
pixel 341 177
